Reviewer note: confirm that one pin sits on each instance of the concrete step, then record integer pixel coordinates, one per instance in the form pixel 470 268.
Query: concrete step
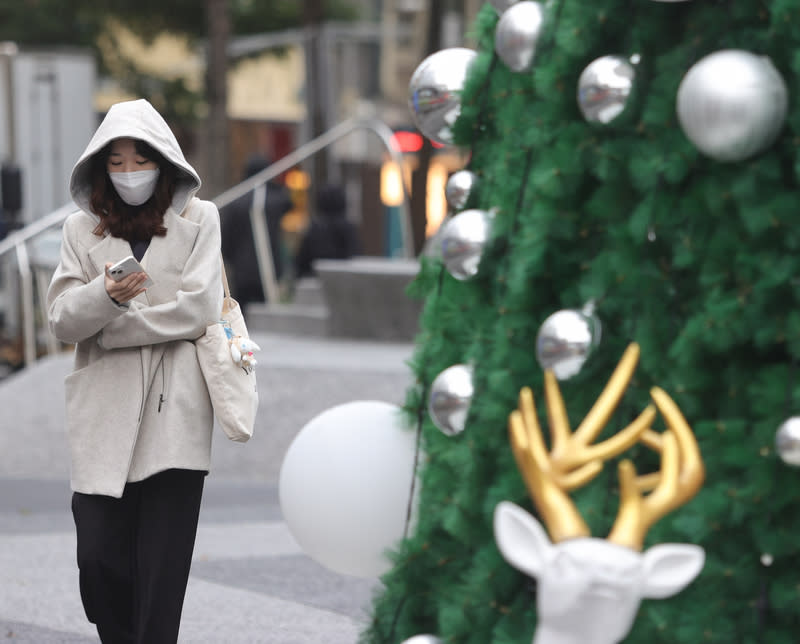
pixel 289 319
pixel 308 292
pixel 367 297
pixel 361 298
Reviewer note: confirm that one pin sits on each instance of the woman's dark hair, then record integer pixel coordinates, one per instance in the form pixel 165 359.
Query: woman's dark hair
pixel 132 223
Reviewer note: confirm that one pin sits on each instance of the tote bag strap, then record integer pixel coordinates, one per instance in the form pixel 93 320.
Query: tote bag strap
pixel 228 303
pixel 225 286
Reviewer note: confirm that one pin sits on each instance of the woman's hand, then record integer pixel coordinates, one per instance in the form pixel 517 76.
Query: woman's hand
pixel 127 288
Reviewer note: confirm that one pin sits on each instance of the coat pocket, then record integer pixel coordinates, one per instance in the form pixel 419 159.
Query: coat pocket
pixel 102 418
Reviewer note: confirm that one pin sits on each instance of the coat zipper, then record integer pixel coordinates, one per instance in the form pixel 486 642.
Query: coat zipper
pixel 165 374
pixel 161 398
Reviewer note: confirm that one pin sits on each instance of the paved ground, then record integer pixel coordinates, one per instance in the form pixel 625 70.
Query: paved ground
pixel 250 581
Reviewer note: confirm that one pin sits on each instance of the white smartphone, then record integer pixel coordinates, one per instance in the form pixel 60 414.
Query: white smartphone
pixel 125 267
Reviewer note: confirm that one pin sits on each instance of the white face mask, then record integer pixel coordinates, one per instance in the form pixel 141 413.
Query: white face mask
pixel 134 188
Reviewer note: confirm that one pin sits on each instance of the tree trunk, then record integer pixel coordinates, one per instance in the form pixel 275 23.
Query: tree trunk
pixel 216 144
pixel 313 12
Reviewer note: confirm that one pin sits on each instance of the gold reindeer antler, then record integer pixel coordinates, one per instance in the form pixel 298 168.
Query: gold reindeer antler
pixel 681 475
pixel 573 460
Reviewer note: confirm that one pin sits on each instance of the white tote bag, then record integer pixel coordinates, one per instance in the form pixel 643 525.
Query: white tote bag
pixel 231 383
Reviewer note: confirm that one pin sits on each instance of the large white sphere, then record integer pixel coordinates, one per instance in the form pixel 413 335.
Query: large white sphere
pixel 345 485
pixel 732 104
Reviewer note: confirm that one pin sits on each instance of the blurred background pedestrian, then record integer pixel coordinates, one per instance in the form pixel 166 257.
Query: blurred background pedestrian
pixel 238 245
pixel 330 234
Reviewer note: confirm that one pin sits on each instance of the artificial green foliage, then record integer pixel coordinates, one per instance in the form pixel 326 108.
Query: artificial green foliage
pixel 696 260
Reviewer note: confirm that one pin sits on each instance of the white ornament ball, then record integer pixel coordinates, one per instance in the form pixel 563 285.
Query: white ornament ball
pixel 565 341
pixel 423 639
pixel 604 88
pixel 732 104
pixel 463 238
pixel 517 34
pixel 459 187
pixel 787 441
pixel 435 92
pixel 450 399
pixel 345 486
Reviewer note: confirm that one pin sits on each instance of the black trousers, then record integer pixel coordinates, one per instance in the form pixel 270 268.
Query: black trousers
pixel 134 556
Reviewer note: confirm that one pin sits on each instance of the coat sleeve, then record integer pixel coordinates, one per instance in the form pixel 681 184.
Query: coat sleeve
pixel 77 307
pixel 198 301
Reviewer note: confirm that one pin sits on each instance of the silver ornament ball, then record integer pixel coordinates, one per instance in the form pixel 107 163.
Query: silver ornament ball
pixel 435 92
pixel 787 441
pixel 604 88
pixel 450 399
pixel 732 104
pixel 517 33
pixel 463 239
pixel 459 187
pixel 501 5
pixel 565 341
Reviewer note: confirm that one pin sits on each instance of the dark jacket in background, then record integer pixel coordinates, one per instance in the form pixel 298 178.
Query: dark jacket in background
pixel 238 246
pixel 330 234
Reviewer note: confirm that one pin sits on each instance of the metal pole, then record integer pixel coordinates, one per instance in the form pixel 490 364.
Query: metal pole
pixel 28 322
pixel 40 225
pixel 384 132
pixel 266 264
pixel 42 282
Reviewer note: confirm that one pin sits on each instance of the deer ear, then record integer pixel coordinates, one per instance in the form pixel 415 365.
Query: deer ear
pixel 670 567
pixel 521 539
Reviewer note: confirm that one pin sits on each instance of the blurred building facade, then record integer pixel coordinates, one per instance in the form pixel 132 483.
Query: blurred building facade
pixel 365 71
pixel 365 68
pixel 405 33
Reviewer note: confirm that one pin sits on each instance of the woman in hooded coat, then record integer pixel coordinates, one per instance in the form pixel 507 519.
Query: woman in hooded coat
pixel 138 413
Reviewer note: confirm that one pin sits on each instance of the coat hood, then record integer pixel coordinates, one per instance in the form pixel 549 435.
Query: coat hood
pixel 137 120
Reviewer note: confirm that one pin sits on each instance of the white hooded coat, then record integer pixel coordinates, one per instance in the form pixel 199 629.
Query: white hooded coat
pixel 136 401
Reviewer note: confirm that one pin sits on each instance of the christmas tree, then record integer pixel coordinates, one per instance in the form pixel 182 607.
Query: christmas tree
pixel 613 186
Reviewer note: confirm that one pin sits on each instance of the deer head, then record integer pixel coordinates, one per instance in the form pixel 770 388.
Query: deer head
pixel 589 589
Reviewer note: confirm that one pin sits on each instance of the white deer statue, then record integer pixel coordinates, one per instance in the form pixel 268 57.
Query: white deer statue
pixel 589 589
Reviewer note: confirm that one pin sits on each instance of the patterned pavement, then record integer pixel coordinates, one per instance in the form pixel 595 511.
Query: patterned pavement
pixel 250 582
